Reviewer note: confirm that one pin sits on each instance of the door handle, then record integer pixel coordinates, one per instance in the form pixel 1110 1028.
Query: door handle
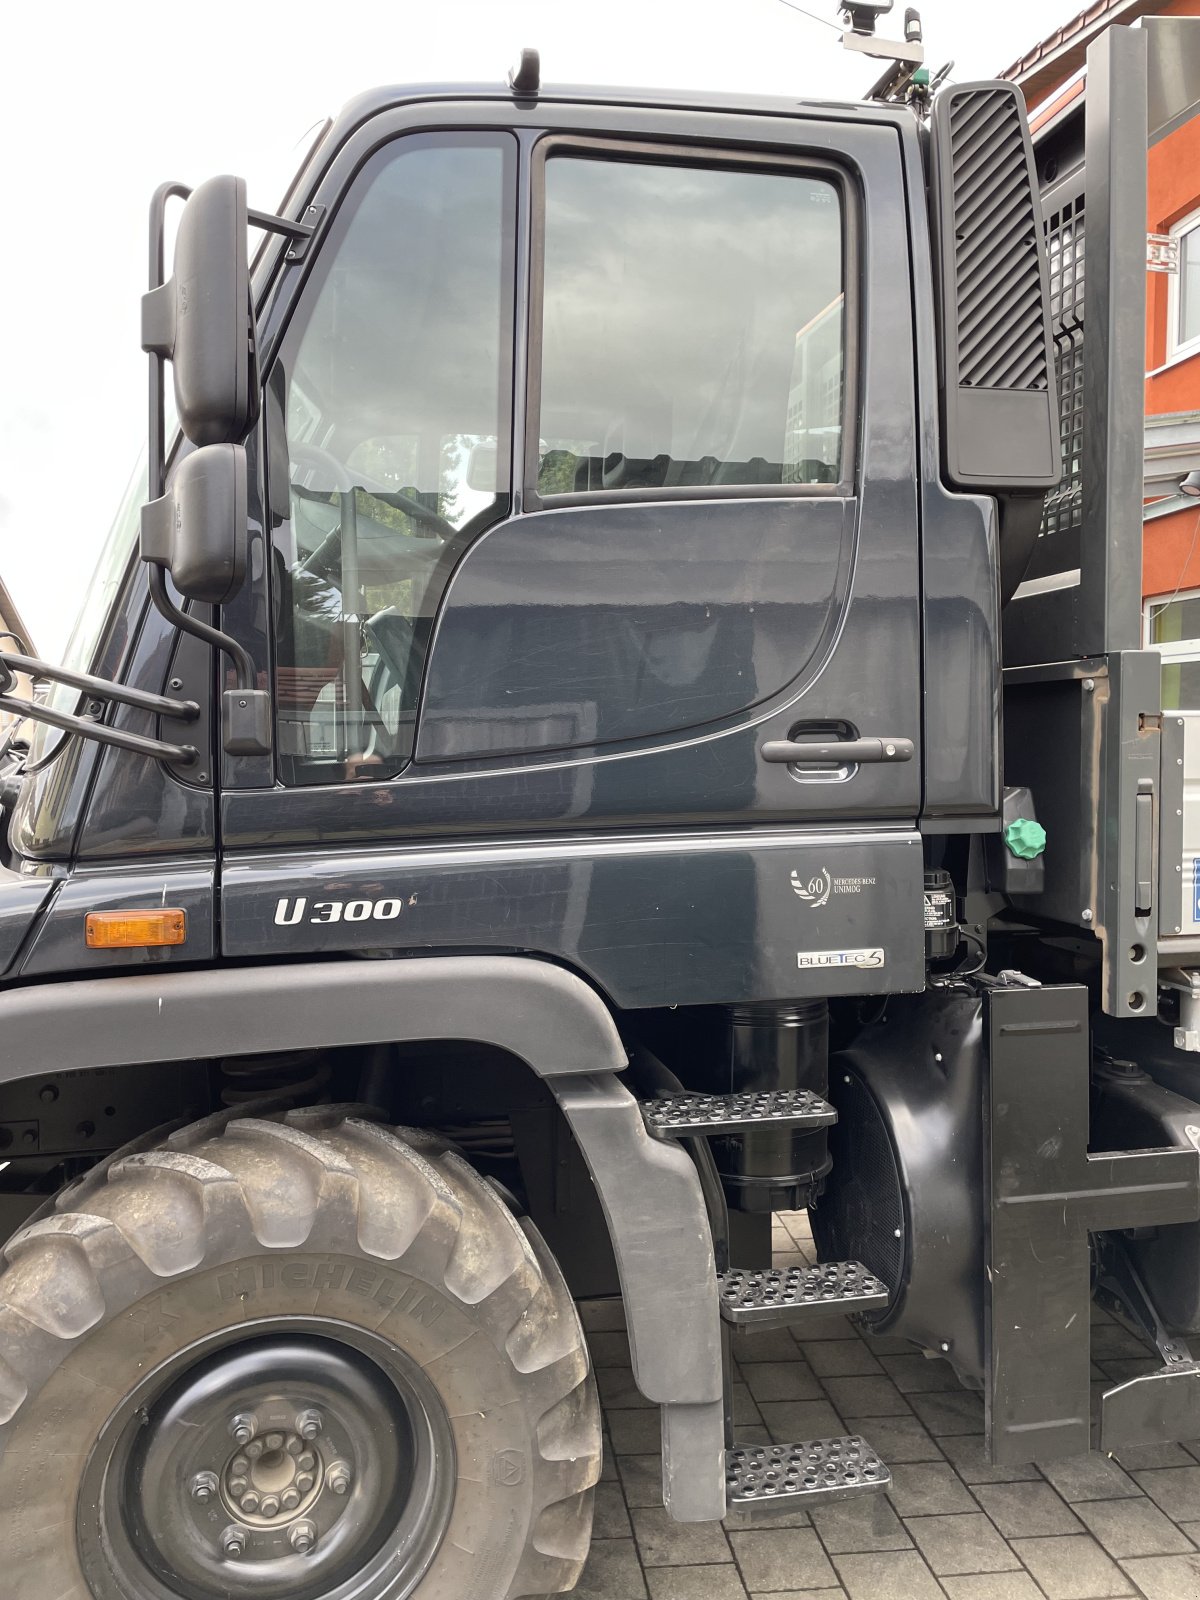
pixel 836 752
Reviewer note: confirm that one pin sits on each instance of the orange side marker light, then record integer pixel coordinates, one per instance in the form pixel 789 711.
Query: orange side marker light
pixel 125 930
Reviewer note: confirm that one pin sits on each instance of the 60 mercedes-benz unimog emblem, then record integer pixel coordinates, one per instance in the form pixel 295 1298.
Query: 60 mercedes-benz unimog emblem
pixel 813 891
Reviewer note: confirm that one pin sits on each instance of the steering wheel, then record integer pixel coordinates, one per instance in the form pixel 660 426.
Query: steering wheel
pixel 312 456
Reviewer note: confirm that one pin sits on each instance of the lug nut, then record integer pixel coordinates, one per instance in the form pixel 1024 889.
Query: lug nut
pixel 254 1449
pixel 307 1462
pixel 242 1427
pixel 309 1424
pixel 270 1505
pixel 233 1543
pixel 290 1499
pixel 249 1502
pixel 302 1536
pixel 305 1482
pixel 238 1486
pixel 204 1486
pixel 239 1466
pixel 273 1441
pixel 338 1477
pixel 295 1446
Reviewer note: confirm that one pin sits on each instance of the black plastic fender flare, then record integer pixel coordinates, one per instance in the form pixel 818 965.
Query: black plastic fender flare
pixel 545 1015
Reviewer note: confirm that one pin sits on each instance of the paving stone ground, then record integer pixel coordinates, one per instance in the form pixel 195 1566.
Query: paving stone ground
pixel 952 1528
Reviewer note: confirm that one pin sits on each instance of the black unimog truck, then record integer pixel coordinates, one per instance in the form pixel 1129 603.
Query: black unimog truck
pixel 616 717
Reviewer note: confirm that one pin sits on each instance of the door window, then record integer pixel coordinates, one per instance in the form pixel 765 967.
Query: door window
pixel 398 384
pixel 693 328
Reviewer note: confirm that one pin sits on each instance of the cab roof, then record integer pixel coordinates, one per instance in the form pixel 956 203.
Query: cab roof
pixel 524 107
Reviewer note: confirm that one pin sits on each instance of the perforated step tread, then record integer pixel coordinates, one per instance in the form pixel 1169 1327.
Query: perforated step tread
pixel 683 1115
pixel 791 1476
pixel 782 1295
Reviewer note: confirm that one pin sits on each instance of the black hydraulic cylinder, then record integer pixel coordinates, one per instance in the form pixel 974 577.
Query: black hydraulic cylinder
pixel 775 1047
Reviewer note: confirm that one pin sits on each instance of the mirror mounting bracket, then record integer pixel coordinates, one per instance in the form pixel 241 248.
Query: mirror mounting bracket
pixel 100 689
pixel 310 222
pixel 245 710
pixel 183 755
pixel 12 662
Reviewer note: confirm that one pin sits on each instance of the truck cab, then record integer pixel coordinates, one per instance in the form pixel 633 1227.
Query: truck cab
pixel 556 527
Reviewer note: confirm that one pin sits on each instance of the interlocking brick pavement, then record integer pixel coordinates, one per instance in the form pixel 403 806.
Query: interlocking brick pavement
pixel 952 1527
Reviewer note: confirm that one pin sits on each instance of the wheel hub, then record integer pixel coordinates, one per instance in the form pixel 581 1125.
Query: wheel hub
pixel 273 1479
pixel 285 1454
pixel 280 1468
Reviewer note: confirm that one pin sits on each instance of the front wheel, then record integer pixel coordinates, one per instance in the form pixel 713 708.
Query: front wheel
pixel 304 1358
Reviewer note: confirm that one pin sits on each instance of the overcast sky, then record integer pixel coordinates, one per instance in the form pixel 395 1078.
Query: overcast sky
pixel 102 102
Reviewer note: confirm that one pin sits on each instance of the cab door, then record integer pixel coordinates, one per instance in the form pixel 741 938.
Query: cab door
pixel 602 457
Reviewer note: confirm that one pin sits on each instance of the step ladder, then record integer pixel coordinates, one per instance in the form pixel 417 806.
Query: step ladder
pixel 789 1295
pixel 783 1476
pixel 685 1116
pixel 793 1476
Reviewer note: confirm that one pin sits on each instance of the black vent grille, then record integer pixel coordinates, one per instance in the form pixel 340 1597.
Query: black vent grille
pixel 1065 246
pixel 1001 331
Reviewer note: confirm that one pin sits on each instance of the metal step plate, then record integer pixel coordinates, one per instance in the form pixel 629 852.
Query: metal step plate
pixel 792 1476
pixel 749 1297
pixel 686 1114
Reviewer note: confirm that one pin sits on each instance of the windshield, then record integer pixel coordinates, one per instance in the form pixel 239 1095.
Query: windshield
pixel 106 581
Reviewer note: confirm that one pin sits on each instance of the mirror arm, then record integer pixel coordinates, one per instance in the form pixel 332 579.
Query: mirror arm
pixel 273 224
pixel 242 664
pixel 101 688
pixel 158 749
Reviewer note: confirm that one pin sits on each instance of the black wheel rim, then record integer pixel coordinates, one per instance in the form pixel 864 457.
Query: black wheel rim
pixel 292 1460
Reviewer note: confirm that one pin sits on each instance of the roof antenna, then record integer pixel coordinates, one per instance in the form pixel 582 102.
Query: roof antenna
pixel 526 76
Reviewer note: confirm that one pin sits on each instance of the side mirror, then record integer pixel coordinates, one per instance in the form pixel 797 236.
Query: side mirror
pixel 198 530
pixel 202 321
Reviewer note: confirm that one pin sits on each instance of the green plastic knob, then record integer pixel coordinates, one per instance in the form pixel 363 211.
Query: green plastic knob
pixel 1025 838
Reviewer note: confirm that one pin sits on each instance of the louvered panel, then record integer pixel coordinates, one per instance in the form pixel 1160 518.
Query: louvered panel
pixel 1063 513
pixel 1001 326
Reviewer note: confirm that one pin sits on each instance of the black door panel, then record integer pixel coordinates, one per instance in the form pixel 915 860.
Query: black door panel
pixel 582 627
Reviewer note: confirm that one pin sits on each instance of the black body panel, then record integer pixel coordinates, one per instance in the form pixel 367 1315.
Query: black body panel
pixel 22 899
pixel 664 919
pixel 59 944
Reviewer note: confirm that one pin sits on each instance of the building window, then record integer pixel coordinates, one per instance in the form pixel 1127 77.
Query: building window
pixel 1183 290
pixel 1172 627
